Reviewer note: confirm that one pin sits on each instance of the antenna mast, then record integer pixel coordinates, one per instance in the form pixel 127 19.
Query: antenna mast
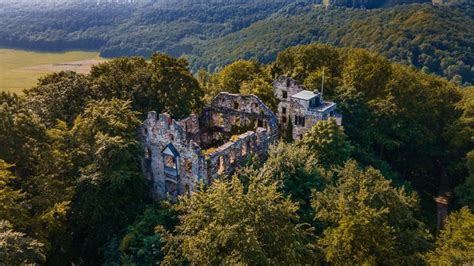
pixel 322 85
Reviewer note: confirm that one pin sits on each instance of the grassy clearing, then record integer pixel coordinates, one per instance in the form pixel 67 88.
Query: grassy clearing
pixel 21 69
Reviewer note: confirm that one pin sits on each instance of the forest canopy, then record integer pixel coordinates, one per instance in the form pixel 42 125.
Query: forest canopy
pixel 72 189
pixel 435 39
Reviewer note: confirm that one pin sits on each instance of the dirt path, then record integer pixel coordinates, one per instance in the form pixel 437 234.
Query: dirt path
pixel 83 66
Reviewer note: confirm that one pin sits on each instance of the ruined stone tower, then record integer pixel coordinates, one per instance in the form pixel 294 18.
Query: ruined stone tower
pixel 302 107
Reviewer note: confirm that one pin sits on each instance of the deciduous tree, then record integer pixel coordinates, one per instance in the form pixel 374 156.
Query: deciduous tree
pixel 328 142
pixel 296 170
pixel 18 249
pixel 368 221
pixel 227 225
pixel 455 244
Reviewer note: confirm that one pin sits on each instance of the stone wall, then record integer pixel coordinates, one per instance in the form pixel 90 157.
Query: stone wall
pixel 232 114
pixel 180 153
pixel 156 134
pixel 291 107
pixel 223 160
pixel 285 86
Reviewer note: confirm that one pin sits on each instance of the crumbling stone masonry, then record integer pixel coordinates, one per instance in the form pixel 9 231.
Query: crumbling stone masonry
pixel 181 153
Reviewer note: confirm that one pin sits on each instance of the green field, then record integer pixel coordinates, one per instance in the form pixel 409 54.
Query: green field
pixel 21 69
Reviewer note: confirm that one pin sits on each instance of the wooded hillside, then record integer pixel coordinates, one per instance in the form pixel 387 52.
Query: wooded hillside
pixel 436 39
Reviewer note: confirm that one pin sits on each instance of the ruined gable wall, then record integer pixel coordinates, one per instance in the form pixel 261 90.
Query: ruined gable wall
pixel 156 133
pixel 228 111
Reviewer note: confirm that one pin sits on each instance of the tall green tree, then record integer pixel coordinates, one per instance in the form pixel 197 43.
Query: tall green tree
pixel 46 193
pixel 126 79
pixel 261 88
pixel 296 169
pixel 111 191
pixel 231 76
pixel 465 191
pixel 461 135
pixel 59 96
pixel 141 244
pixel 366 72
pixel 18 249
pixel 455 244
pixel 174 86
pixel 12 205
pixel 368 221
pixel 328 142
pixel 227 225
pixel 301 61
pixel 23 136
pixel 164 84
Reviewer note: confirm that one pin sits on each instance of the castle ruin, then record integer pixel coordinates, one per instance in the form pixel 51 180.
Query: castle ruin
pixel 181 153
pixel 201 148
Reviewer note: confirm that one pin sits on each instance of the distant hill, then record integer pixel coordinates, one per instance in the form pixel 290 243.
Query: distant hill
pixel 437 39
pixel 371 3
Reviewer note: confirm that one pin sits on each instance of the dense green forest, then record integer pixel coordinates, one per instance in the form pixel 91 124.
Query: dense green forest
pixel 436 39
pixel 72 190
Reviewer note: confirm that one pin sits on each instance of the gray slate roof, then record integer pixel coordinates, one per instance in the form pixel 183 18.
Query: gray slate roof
pixel 305 95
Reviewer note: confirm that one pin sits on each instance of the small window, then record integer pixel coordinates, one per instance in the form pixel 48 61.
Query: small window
pixel 288 83
pixel 237 120
pixel 283 110
pixel 218 119
pixel 260 123
pixel 300 120
pixel 232 158
pixel 188 166
pixel 283 119
pixel 284 94
pixel 148 154
pixel 244 148
pixel 236 105
pixel 170 162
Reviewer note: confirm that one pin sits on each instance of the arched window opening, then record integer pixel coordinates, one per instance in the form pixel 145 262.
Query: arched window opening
pixel 187 189
pixel 221 168
pixel 188 166
pixel 245 149
pixel 232 157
